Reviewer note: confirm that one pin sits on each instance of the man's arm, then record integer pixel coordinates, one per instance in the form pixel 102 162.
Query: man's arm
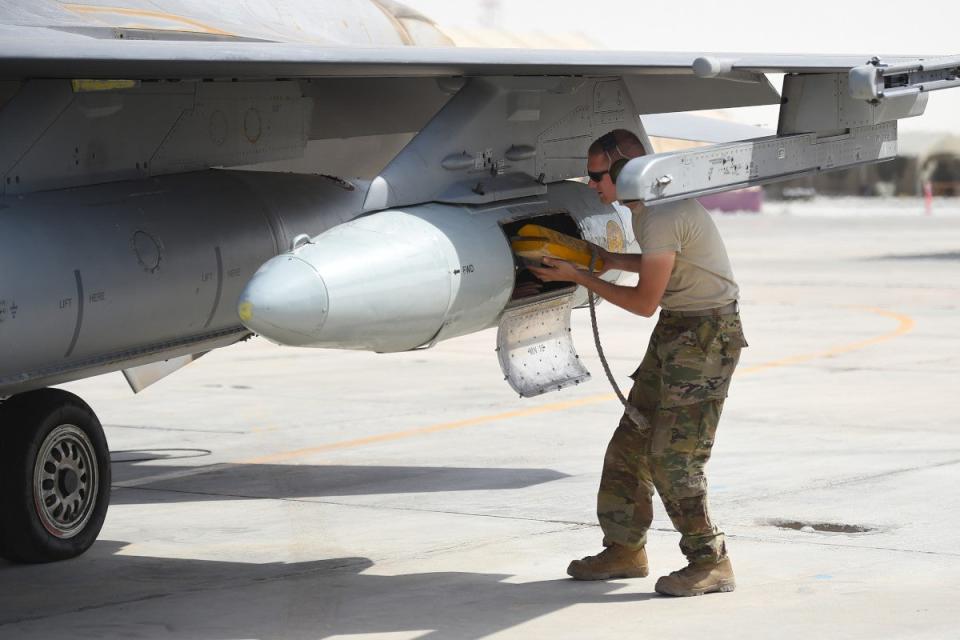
pixel 642 299
pixel 629 262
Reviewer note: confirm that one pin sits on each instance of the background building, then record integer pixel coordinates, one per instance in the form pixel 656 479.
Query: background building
pixel 924 157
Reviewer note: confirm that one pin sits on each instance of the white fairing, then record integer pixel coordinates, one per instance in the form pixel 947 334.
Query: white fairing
pixel 393 281
pixel 535 348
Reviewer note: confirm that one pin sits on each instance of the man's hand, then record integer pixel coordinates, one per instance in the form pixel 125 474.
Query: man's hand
pixel 556 271
pixel 604 256
pixel 642 299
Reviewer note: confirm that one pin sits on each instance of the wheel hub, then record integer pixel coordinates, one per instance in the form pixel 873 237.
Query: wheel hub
pixel 69 482
pixel 65 481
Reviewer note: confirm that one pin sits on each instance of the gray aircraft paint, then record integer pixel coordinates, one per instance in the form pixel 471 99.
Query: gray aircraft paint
pixel 100 276
pixel 316 22
pixel 119 247
pixel 524 133
pixel 67 139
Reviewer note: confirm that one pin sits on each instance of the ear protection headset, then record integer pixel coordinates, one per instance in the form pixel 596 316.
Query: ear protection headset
pixel 616 168
pixel 608 142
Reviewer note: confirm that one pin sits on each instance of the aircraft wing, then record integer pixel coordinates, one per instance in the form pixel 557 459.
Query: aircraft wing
pixel 659 82
pixel 683 126
pixel 543 105
pixel 42 52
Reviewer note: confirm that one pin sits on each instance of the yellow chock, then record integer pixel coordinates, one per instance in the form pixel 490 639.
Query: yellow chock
pixel 535 242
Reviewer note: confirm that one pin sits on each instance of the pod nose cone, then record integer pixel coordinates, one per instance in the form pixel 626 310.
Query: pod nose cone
pixel 286 301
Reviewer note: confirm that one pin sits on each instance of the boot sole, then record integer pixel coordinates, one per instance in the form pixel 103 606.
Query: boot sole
pixel 724 586
pixel 611 575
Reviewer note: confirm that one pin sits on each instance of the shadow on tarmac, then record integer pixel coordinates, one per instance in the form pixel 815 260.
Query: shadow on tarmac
pixel 256 481
pixel 105 594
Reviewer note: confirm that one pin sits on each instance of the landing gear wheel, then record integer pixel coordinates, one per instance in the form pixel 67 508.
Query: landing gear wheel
pixel 54 476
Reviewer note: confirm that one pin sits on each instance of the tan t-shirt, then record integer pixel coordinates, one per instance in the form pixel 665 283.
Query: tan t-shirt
pixel 702 277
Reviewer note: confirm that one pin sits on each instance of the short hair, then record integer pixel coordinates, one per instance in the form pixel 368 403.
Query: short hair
pixel 621 142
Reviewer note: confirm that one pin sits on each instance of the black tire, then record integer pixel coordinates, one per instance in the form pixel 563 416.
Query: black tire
pixel 75 479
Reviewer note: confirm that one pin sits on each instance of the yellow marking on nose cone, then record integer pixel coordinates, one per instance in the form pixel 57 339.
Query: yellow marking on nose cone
pixel 245 310
pixel 142 13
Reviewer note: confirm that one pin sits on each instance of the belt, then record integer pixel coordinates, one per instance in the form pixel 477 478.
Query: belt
pixel 733 307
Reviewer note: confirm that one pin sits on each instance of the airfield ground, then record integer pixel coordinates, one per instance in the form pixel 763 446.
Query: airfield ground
pixel 275 493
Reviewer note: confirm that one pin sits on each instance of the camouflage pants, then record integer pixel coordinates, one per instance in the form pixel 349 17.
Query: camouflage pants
pixel 680 388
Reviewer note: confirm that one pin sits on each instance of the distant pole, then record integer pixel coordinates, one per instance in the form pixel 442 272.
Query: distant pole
pixel 490 13
pixel 927 197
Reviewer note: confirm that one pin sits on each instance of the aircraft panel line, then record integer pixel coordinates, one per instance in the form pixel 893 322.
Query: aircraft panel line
pixel 216 298
pixel 79 325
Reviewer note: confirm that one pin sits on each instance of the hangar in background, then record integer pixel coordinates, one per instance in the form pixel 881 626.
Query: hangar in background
pixel 924 157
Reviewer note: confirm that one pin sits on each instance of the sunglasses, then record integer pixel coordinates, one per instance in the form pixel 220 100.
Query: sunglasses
pixel 615 169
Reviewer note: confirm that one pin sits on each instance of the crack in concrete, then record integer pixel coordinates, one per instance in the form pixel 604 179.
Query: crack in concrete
pixel 748 537
pixel 347 504
pixel 108 427
pixel 832 484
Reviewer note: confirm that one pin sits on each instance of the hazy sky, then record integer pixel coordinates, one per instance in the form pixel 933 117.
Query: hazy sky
pixel 922 27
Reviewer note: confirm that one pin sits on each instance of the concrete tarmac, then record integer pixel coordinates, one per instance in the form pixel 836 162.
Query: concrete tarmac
pixel 275 493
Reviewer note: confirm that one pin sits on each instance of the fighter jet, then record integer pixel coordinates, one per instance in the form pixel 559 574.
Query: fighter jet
pixel 178 176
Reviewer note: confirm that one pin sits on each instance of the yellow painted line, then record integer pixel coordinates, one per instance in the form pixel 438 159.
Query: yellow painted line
pixel 445 426
pixel 142 13
pixel 906 325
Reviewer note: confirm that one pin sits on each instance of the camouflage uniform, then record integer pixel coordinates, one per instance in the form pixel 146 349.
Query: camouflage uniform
pixel 679 387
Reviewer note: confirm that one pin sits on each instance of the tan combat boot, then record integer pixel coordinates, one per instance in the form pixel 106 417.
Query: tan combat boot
pixel 698 579
pixel 612 563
